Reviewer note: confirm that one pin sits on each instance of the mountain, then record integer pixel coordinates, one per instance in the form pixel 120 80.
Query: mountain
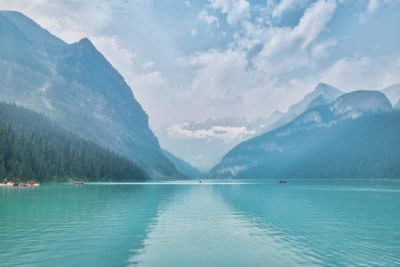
pixel 33 147
pixel 204 142
pixel 78 88
pixel 182 166
pixel 356 136
pixel 322 94
pixel 392 93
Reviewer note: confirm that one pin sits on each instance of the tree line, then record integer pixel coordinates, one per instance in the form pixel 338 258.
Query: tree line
pixel 32 147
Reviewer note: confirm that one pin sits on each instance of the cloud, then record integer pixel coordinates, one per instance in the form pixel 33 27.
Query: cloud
pixel 364 73
pixel 314 20
pixel 285 5
pixel 56 16
pixel 207 18
pixel 350 74
pixel 391 73
pixel 372 7
pixel 228 134
pixel 193 32
pixel 218 74
pixel 235 10
pixel 287 48
pixel 232 80
pixel 282 6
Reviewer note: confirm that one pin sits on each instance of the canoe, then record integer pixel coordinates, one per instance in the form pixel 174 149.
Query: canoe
pixel 7 184
pixel 20 184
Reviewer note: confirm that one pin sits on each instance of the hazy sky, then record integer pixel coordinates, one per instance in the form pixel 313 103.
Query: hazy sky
pixel 187 61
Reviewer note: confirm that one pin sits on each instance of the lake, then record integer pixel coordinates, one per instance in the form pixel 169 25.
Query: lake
pixel 244 223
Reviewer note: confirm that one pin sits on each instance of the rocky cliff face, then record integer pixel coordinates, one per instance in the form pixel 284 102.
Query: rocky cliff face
pixel 78 88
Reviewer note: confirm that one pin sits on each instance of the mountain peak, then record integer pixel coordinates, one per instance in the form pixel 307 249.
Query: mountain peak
pixel 348 106
pixel 15 15
pixel 326 90
pixel 323 85
pixel 86 42
pixel 17 29
pixel 358 102
pixel 321 95
pixel 12 13
pixel 87 46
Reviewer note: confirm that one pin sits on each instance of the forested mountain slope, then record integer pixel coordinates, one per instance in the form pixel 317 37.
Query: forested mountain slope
pixel 356 136
pixel 34 148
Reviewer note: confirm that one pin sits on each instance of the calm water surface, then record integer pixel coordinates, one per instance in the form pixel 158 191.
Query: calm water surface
pixel 325 223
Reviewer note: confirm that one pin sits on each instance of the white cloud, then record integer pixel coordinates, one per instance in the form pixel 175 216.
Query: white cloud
pixel 56 16
pixel 285 5
pixel 207 18
pixel 147 65
pixel 373 6
pixel 314 20
pixel 350 74
pixel 392 73
pixel 235 10
pixel 360 73
pixel 282 6
pixel 193 32
pixel 288 48
pixel 227 134
pixel 224 82
pixel 218 74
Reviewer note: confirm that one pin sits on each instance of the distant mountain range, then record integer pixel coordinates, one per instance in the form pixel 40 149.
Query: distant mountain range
pixel 321 95
pixel 77 88
pixel 355 136
pixel 182 166
pixel 209 139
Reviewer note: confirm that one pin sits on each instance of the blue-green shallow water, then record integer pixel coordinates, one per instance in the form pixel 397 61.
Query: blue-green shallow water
pixel 328 223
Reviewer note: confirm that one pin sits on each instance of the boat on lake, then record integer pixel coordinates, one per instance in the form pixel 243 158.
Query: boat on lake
pixel 29 183
pixel 6 184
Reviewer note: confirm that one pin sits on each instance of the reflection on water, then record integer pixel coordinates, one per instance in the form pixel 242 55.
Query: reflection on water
pixel 197 228
pixel 314 222
pixel 56 225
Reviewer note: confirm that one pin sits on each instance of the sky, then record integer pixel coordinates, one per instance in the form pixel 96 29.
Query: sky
pixel 207 71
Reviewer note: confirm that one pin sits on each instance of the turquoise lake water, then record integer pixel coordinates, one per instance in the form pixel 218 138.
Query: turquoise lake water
pixel 321 223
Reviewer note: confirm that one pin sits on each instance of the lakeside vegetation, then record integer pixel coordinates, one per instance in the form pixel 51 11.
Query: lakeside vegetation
pixel 32 147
